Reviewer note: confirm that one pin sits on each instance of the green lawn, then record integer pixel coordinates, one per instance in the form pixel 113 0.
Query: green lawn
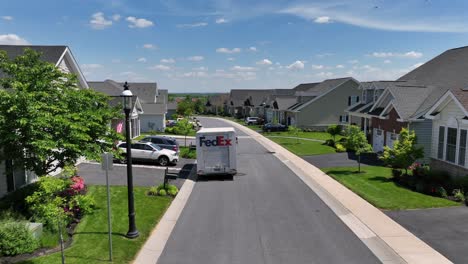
pixel 312 135
pixel 376 186
pixel 304 147
pixel 90 244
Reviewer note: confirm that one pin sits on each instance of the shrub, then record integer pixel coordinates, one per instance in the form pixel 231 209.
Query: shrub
pixel 441 192
pixel 162 192
pixel 170 189
pixel 460 183
pixel 458 195
pixel 339 147
pixel 330 142
pixel 82 204
pixel 169 130
pixel 16 239
pixel 396 173
pixel 153 191
pixel 343 140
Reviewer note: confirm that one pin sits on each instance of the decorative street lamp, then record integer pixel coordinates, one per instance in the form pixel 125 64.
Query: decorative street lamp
pixel 127 105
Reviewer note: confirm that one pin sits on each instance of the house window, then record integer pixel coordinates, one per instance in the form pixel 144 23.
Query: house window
pixel 451 144
pixel 462 148
pixel 353 99
pixel 344 118
pixel 440 150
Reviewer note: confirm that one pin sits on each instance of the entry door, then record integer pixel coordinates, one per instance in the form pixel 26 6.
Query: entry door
pixel 378 140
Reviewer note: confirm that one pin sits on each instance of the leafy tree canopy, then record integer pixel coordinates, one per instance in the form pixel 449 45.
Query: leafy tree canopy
pixel 46 121
pixel 404 151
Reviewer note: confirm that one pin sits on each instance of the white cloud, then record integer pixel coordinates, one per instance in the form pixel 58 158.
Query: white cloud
pixel 149 46
pixel 322 20
pixel 143 60
pixel 324 74
pixel 417 65
pixel 200 74
pixel 170 60
pixel 91 66
pixel 160 67
pixel 387 61
pixel 253 49
pixel 139 22
pixel 412 54
pixel 409 54
pixel 264 62
pixel 340 66
pixel 221 21
pixel 297 65
pixel 323 55
pixel 202 68
pixel 353 61
pixel 231 59
pixel 199 24
pixel 116 17
pixel 98 21
pixel 196 58
pixel 228 51
pixel 7 18
pixel 12 39
pixel 391 18
pixel 242 68
pixel 317 67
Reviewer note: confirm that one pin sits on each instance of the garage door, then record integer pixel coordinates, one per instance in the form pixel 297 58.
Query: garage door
pixel 391 138
pixel 378 140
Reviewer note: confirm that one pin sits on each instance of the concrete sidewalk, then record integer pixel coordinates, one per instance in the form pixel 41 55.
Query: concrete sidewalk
pixel 389 241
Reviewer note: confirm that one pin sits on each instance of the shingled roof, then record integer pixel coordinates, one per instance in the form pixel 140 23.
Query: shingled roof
pixel 50 54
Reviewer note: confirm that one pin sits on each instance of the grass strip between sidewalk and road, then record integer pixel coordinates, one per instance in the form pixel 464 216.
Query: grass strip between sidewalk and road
pixel 375 185
pixel 304 147
pixel 90 241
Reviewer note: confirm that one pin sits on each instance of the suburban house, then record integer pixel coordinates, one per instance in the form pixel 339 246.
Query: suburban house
pixel 61 57
pixel 217 104
pixel 449 112
pixel 323 104
pixel 153 117
pixel 277 105
pixel 171 110
pixel 114 90
pixel 254 102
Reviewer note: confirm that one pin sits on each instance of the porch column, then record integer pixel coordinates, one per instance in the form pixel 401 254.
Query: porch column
pixel 365 126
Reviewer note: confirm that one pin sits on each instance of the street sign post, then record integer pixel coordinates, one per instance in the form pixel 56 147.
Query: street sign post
pixel 107 165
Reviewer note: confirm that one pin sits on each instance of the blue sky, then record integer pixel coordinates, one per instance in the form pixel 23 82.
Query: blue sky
pixel 215 46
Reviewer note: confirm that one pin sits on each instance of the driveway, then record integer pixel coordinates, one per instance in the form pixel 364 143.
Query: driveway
pixel 444 229
pixel 143 175
pixel 265 214
pixel 345 159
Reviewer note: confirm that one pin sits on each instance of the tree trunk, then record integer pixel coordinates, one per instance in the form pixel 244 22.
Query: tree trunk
pixel 359 163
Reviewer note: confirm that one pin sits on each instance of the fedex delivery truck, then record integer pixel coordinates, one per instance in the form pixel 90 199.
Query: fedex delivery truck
pixel 216 151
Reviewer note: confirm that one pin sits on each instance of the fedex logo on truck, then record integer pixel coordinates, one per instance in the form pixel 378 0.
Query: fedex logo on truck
pixel 219 141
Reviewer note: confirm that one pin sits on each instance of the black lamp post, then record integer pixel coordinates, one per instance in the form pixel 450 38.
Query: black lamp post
pixel 127 104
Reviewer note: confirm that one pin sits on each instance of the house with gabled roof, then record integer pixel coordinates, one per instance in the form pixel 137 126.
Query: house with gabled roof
pixel 252 102
pixel 323 104
pixel 62 57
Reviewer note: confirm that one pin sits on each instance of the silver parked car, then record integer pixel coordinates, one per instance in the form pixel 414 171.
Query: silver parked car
pixel 148 151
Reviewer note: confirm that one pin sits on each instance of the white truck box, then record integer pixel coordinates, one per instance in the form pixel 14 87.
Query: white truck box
pixel 216 151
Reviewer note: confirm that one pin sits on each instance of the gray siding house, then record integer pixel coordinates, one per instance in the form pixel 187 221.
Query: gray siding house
pixel 326 104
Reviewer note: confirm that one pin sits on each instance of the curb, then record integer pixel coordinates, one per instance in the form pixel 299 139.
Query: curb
pixel 388 241
pixel 154 245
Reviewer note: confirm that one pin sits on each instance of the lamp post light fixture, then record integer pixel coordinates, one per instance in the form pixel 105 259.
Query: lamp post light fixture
pixel 127 97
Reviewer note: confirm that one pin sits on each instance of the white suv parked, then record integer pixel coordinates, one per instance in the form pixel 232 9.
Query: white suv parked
pixel 252 120
pixel 150 152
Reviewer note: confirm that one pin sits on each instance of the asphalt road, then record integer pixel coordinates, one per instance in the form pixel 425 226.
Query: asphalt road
pixel 444 229
pixel 144 174
pixel 265 214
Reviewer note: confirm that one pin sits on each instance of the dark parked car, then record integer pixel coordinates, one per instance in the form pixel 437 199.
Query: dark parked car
pixel 269 127
pixel 163 142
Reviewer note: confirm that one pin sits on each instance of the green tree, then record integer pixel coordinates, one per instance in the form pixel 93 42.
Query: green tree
pixel 334 130
pixel 357 141
pixel 185 107
pixel 46 121
pixel 294 130
pixel 183 127
pixel 404 152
